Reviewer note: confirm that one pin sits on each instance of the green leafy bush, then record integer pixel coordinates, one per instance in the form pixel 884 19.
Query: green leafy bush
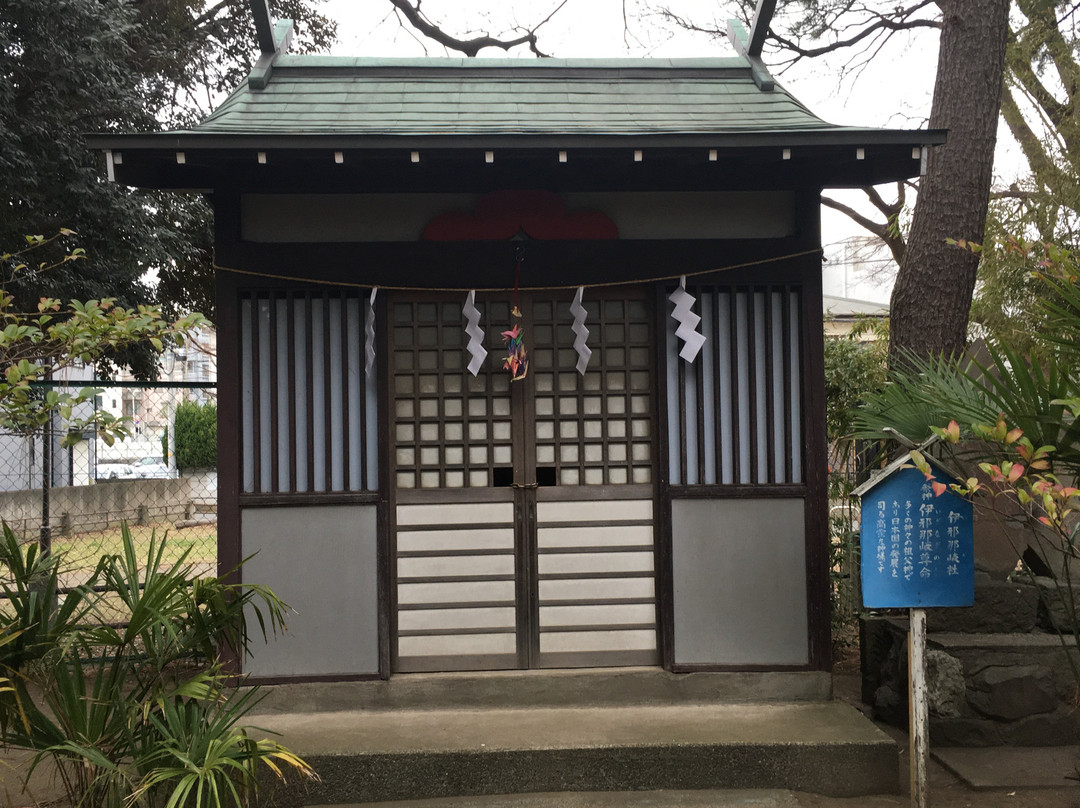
pixel 195 440
pixel 119 683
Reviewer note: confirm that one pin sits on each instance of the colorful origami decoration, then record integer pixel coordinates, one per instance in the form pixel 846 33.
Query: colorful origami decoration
pixel 517 360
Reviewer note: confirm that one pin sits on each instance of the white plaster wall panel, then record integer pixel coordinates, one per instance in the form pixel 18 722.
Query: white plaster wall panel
pixel 740 582
pixel 322 560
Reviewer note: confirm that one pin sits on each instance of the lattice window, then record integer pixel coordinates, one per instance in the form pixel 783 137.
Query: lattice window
pixel 451 429
pixel 594 429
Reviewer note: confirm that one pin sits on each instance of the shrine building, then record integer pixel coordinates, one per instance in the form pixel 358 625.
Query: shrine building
pixel 520 360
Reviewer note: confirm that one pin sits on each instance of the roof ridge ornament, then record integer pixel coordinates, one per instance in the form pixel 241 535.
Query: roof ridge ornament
pixel 749 46
pixel 273 40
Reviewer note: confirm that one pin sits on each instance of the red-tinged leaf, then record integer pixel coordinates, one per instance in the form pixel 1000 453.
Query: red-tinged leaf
pixel 1046 521
pixel 939 488
pixel 952 432
pixel 1014 435
pixel 1016 472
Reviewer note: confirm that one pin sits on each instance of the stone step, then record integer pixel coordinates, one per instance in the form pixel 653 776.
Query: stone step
pixel 366 756
pixel 586 687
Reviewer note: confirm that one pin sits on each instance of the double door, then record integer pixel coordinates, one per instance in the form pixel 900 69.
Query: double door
pixel 523 510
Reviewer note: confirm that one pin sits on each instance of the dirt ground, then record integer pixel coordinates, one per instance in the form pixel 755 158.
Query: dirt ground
pixel 946 789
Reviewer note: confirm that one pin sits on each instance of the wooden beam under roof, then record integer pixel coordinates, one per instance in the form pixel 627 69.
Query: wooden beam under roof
pixel 264 25
pixel 759 27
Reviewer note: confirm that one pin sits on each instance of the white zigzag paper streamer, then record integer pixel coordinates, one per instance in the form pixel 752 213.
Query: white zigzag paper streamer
pixel 476 333
pixel 369 332
pixel 687 320
pixel 581 333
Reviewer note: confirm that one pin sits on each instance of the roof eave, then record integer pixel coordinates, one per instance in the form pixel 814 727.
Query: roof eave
pixel 215 141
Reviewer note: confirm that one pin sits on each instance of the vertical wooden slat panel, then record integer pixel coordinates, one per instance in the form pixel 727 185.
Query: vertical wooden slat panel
pixel 770 437
pixel 714 347
pixel 309 341
pixel 290 314
pixel 272 403
pixel 736 415
pixel 750 336
pixel 256 394
pixel 789 449
pixel 346 451
pixel 699 408
pixel 363 483
pixel 684 468
pixel 328 393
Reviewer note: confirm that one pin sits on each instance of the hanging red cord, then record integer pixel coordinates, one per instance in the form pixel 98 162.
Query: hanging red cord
pixel 517 361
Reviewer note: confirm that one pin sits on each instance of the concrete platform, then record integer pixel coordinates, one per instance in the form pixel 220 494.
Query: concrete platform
pixel 586 687
pixel 1012 766
pixel 368 756
pixel 615 799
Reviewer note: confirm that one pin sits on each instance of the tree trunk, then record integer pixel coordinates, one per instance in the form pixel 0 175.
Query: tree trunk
pixel 932 296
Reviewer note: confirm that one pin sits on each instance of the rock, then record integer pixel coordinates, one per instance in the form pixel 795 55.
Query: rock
pixel 1059 728
pixel 964 732
pixel 1012 693
pixel 945 687
pixel 1001 607
pixel 1054 597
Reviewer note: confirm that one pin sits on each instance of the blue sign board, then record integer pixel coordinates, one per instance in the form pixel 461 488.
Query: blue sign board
pixel 918 549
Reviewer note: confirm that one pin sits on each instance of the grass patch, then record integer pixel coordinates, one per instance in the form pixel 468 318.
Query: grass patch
pixel 83 550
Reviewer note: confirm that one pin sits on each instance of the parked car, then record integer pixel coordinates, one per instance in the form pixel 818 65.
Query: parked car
pixel 151 467
pixel 115 471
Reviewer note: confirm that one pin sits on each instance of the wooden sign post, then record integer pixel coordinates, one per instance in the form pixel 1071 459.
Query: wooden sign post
pixel 917 550
pixel 919 708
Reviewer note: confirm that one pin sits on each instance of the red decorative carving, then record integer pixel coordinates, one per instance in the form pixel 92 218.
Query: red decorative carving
pixel 501 215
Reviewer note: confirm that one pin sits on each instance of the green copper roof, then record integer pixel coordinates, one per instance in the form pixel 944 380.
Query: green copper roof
pixel 313 95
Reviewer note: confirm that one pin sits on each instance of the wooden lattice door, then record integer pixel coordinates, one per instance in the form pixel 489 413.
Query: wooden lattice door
pixel 523 510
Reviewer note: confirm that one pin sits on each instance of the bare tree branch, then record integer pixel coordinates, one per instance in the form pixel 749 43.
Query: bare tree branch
pixel 470 47
pixel 882 26
pixel 887 231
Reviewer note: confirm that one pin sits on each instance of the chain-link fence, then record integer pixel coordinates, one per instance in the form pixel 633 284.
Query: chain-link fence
pixel 73 499
pixel 850 462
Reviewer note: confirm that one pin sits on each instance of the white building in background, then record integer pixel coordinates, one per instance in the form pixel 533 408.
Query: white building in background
pixel 22 461
pixel 151 408
pixel 859 268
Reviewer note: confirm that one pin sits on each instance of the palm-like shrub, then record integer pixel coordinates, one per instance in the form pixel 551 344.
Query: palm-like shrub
pixel 119 682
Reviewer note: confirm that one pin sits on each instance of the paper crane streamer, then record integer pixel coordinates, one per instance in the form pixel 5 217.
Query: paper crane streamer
pixel 369 332
pixel 517 361
pixel 476 334
pixel 687 320
pixel 581 333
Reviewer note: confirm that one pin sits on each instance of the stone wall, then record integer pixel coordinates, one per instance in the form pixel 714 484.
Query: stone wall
pixel 84 508
pixel 987 687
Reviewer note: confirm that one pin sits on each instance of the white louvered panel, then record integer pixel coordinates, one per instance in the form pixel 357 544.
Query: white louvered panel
pixel 565 563
pixel 569 598
pixel 594 511
pixel 595 536
pixel 454 566
pixel 410 541
pixel 597 641
pixel 457 592
pixel 596 589
pixel 457 645
pixel 480 513
pixel 608 614
pixel 442 619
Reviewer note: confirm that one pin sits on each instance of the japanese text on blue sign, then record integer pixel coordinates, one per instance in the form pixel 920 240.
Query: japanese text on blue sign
pixel 917 548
